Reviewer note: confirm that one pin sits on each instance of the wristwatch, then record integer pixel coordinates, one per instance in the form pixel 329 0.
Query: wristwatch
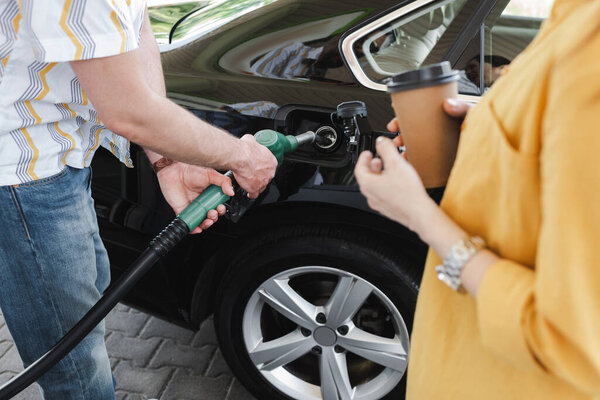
pixel 456 258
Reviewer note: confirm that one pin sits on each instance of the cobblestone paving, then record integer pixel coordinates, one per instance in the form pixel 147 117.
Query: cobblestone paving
pixel 150 358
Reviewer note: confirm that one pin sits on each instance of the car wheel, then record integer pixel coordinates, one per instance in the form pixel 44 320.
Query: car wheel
pixel 317 314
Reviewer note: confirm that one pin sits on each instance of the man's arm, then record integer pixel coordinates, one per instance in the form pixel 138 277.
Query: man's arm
pixel 180 183
pixel 128 104
pixel 148 52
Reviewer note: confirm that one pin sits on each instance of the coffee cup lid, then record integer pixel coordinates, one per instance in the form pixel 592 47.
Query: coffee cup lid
pixel 431 75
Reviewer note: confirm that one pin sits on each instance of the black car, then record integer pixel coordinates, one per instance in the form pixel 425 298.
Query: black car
pixel 312 293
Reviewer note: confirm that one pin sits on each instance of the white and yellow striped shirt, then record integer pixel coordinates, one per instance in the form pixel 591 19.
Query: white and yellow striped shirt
pixel 46 120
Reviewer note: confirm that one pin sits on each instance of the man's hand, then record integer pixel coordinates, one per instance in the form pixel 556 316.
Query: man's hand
pixel 257 167
pixel 182 183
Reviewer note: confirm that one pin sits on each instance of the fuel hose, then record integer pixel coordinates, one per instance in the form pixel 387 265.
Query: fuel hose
pixel 164 242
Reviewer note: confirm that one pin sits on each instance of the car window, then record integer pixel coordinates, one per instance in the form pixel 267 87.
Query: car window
pixel 479 42
pixel 405 43
pixel 507 30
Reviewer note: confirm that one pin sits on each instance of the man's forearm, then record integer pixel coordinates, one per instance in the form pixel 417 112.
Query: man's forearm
pixel 152 68
pixel 129 106
pixel 159 125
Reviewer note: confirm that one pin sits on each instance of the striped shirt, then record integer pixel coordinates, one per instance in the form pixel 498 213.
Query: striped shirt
pixel 46 120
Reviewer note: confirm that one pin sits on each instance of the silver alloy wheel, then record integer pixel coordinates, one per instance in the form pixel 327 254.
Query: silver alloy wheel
pixel 328 334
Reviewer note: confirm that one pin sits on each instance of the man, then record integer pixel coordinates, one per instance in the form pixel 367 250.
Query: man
pixel 75 75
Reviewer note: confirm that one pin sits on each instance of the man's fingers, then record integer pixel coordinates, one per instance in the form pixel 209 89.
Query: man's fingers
pixel 456 108
pixel 212 215
pixel 393 126
pixel 221 180
pixel 387 151
pixel 207 223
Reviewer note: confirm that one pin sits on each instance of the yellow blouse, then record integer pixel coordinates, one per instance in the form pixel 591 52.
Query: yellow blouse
pixel 527 180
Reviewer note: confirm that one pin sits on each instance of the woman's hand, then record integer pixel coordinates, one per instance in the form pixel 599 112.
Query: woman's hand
pixel 456 108
pixel 392 186
pixel 453 107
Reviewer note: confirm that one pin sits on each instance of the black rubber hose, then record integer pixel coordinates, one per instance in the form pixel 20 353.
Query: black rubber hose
pixel 159 247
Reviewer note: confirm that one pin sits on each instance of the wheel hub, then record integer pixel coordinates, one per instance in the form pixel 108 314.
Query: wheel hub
pixel 325 336
pixel 322 349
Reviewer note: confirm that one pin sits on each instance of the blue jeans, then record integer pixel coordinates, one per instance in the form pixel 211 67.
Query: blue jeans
pixel 53 268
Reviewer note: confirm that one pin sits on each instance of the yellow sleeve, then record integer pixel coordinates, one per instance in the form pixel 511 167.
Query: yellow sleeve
pixel 550 317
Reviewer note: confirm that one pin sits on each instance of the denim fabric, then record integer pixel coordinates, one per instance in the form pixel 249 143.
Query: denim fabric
pixel 53 268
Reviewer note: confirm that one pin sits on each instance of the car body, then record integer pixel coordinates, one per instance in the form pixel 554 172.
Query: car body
pixel 247 65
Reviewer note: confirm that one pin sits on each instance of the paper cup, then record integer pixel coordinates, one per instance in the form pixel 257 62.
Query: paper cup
pixel 429 134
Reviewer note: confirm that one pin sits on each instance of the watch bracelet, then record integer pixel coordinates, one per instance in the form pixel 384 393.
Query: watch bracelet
pixel 456 258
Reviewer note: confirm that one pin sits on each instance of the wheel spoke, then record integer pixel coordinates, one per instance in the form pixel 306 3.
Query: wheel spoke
pixel 347 298
pixel 383 351
pixel 280 295
pixel 335 383
pixel 279 352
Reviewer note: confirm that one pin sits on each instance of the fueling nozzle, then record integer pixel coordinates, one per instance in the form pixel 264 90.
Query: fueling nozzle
pixel 278 143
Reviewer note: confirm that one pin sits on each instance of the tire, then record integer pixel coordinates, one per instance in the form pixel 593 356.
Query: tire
pixel 307 302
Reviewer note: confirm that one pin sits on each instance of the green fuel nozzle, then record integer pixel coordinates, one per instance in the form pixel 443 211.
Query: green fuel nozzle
pixel 278 143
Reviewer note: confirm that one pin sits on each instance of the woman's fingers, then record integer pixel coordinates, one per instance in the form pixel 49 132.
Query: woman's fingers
pixel 398 141
pixel 363 164
pixel 456 108
pixel 393 126
pixel 376 165
pixel 388 151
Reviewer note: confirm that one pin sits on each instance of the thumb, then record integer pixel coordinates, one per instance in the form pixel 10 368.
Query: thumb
pixel 456 108
pixel 221 180
pixel 388 152
pixel 362 167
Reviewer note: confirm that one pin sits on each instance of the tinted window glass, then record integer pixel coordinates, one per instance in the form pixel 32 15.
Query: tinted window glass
pixel 507 30
pixel 437 31
pixel 407 43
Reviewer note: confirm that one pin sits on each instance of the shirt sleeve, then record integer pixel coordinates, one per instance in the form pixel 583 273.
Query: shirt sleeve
pixel 550 317
pixel 69 30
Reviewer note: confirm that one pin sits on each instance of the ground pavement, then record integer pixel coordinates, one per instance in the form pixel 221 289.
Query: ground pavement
pixel 150 358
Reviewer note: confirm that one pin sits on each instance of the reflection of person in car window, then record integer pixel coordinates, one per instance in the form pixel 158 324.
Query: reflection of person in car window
pixel 492 69
pixel 296 60
pixel 525 181
pixel 290 61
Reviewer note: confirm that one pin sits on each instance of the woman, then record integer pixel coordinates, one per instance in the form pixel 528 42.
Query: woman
pixel 525 180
